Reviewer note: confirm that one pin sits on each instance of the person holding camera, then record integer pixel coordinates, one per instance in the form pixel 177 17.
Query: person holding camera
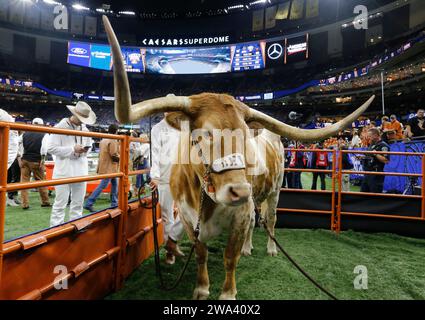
pixel 70 154
pixel 374 162
pixel 109 159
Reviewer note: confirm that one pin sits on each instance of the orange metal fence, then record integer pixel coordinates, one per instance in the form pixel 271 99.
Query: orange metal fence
pixel 336 177
pixel 123 235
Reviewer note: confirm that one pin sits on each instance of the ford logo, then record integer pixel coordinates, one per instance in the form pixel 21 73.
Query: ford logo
pixel 78 50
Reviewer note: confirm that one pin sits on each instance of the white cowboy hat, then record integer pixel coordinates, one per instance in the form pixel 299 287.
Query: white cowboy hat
pixel 37 121
pixel 83 112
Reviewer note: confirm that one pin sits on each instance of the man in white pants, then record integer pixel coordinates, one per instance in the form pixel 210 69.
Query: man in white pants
pixel 165 141
pixel 71 161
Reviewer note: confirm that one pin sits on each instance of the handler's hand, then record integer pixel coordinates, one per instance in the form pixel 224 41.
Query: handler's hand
pixel 79 149
pixel 154 184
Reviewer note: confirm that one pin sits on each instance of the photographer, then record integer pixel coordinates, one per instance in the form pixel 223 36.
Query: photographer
pixel 109 158
pixel 374 162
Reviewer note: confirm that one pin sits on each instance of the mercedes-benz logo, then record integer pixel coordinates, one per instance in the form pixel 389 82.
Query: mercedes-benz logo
pixel 275 51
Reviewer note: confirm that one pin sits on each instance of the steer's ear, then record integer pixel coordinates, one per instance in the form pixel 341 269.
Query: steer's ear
pixel 178 120
pixel 255 127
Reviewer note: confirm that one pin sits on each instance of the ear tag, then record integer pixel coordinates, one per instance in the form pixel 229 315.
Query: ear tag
pixel 211 188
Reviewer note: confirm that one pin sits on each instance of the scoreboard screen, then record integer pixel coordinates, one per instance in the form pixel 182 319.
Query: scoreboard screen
pixel 248 56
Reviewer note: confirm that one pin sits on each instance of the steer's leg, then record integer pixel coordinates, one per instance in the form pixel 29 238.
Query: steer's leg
pixel 201 291
pixel 247 246
pixel 268 208
pixel 189 217
pixel 232 253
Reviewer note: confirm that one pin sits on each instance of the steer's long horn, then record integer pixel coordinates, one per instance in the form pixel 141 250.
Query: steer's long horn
pixel 125 112
pixel 304 135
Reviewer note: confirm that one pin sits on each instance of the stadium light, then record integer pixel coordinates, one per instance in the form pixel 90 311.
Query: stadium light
pixel 78 6
pixel 129 13
pixel 51 2
pixel 257 2
pixel 101 10
pixel 239 6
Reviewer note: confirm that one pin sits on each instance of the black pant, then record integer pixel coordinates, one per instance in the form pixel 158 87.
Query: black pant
pixel 372 183
pixel 296 180
pixel 13 175
pixel 322 180
pixel 288 180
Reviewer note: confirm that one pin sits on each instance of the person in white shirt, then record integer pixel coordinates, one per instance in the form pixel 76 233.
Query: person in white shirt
pixel 143 161
pixel 12 150
pixel 134 148
pixel 165 141
pixel 71 161
pixel 356 142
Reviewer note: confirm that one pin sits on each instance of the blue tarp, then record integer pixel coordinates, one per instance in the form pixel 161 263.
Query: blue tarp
pixel 400 164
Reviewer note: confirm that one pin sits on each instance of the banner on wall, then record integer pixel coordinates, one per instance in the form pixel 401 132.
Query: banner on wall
pixel 77 22
pixel 297 9
pixel 282 11
pixel 312 9
pixel 90 26
pixel 270 17
pixel 258 20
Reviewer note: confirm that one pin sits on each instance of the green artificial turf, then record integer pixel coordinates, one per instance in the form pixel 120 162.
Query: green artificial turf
pixel 395 264
pixel 395 268
pixel 20 222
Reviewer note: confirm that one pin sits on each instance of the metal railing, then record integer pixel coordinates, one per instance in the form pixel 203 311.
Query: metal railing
pixel 123 175
pixel 337 193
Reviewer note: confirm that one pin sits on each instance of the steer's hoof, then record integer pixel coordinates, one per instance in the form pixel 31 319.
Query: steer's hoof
pixel 246 251
pixel 200 294
pixel 227 296
pixel 272 252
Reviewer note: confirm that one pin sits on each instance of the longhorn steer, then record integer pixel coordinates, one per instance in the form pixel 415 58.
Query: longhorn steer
pixel 231 188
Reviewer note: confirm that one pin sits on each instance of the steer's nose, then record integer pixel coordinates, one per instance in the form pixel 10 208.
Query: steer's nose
pixel 239 193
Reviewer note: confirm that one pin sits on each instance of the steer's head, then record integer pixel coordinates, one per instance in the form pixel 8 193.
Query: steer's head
pixel 216 140
pixel 210 118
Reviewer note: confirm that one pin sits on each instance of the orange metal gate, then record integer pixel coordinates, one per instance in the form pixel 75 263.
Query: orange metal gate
pixel 336 213
pixel 93 254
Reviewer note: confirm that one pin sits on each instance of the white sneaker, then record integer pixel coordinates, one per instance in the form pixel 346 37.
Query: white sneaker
pixel 11 203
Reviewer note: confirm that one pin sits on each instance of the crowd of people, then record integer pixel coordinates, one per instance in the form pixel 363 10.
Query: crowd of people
pixel 365 135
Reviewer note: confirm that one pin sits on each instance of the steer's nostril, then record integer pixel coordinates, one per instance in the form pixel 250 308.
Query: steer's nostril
pixel 234 195
pixel 239 193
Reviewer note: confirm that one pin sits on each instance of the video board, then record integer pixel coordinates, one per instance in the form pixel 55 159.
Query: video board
pixel 79 53
pixel 248 56
pixel 100 57
pixel 133 59
pixel 188 60
pixel 197 60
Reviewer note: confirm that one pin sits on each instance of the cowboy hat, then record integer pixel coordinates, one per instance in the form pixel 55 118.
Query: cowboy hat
pixel 38 121
pixel 83 112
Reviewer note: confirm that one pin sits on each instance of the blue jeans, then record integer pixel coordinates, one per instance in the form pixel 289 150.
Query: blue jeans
pixel 102 185
pixel 140 178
